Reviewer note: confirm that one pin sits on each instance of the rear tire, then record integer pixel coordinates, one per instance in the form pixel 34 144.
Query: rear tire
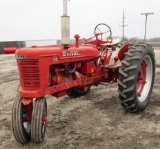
pixel 136 77
pixel 39 119
pixel 20 126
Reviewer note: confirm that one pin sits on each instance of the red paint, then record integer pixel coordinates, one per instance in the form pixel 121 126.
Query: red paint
pixel 53 70
pixel 44 118
pixel 141 80
pixel 77 37
pixel 88 68
pixel 10 50
pixel 29 108
pixel 115 59
pixel 123 50
pixel 26 101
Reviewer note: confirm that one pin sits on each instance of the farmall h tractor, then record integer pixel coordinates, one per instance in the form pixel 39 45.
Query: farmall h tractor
pixel 72 68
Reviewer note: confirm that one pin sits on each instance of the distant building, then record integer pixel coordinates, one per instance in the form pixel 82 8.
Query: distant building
pixel 29 43
pixel 6 44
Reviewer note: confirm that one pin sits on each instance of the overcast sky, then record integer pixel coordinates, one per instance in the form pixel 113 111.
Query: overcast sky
pixel 40 19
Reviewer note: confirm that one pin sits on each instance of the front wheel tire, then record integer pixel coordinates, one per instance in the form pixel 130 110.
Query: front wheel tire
pixel 136 77
pixel 21 123
pixel 39 119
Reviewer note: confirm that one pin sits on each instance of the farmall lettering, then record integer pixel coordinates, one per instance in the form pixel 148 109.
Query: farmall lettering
pixel 71 53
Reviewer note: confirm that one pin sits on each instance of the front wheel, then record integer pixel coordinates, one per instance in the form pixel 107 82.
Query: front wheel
pixel 137 77
pixel 39 119
pixel 21 121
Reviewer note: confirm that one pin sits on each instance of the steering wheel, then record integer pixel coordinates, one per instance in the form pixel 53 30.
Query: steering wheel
pixel 101 28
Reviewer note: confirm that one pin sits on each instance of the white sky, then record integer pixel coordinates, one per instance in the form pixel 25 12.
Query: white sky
pixel 40 19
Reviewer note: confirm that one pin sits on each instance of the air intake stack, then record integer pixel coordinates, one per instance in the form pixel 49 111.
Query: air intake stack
pixel 65 26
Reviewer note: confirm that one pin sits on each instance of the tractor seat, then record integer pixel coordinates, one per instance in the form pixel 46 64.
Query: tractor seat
pixel 112 40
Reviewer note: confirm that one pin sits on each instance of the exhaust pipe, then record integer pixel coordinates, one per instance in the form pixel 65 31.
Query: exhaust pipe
pixel 65 26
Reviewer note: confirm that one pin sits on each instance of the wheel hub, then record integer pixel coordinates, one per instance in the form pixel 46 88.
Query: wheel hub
pixel 144 78
pixel 141 80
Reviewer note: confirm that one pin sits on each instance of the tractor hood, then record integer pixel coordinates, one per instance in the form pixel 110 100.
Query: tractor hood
pixel 57 52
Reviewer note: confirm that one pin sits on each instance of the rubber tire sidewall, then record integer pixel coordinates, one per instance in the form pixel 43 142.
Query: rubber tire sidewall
pixel 146 51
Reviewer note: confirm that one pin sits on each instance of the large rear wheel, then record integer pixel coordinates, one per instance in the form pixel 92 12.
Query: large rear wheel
pixel 21 121
pixel 137 77
pixel 39 119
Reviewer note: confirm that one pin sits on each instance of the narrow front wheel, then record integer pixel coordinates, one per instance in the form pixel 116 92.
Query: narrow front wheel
pixel 39 119
pixel 21 121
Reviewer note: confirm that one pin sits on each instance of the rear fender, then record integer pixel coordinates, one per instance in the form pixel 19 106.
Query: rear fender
pixel 122 51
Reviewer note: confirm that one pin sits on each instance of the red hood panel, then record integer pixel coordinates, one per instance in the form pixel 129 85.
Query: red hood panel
pixel 85 52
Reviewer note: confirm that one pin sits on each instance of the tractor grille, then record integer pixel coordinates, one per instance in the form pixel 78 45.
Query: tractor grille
pixel 29 69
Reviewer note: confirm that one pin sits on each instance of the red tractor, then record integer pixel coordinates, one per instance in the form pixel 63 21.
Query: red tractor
pixel 71 69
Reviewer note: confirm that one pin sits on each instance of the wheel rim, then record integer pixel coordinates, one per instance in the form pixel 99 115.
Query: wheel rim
pixel 44 120
pixel 25 120
pixel 144 79
pixel 27 127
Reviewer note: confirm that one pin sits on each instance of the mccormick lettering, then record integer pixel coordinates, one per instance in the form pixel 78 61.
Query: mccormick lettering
pixel 71 53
